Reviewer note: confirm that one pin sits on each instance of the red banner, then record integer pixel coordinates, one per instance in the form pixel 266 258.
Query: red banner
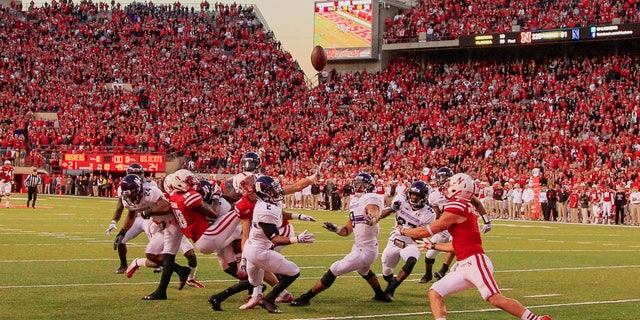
pixel 112 162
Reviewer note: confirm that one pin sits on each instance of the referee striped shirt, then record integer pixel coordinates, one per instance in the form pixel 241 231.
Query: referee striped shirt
pixel 32 181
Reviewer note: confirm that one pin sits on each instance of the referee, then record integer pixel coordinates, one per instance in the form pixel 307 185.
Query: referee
pixel 32 182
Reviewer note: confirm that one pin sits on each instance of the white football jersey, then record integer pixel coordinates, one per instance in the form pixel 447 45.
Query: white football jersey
pixel 409 218
pixel 364 234
pixel 437 199
pixel 150 195
pixel 267 213
pixel 145 183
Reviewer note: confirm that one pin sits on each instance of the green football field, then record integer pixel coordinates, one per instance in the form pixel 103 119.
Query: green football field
pixel 57 263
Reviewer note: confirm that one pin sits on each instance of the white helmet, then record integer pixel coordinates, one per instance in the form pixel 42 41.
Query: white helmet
pixel 461 186
pixel 243 182
pixel 167 183
pixel 184 180
pixel 7 163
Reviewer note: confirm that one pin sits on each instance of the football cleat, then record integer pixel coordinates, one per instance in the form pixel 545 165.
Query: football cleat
pixel 285 297
pixel 121 270
pixel 300 302
pixel 426 278
pixel 195 283
pixel 270 306
pixel 157 270
pixel 252 303
pixel 438 275
pixel 184 276
pixel 383 297
pixel 155 296
pixel 132 268
pixel 215 303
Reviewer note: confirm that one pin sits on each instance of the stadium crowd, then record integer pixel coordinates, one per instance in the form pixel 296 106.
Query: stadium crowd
pixel 212 84
pixel 446 20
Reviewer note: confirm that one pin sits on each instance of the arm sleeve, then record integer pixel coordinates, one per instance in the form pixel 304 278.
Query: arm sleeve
pixel 270 230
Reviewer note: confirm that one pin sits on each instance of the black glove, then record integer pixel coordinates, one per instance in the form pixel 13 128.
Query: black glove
pixel 146 213
pixel 119 238
pixel 395 206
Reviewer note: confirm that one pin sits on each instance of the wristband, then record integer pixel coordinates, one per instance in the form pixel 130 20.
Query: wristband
pixel 485 220
pixel 293 240
pixel 313 178
pixel 295 216
pixel 429 229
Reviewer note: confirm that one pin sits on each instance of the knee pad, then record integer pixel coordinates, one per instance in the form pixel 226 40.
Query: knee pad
pixel 408 267
pixel 327 279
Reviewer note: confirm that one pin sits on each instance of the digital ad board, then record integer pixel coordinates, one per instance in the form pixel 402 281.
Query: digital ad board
pixel 344 28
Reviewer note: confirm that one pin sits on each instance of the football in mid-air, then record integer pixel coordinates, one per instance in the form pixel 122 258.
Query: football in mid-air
pixel 318 58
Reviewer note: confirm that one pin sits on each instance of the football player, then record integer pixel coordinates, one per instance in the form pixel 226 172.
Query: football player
pixel 138 226
pixel 6 181
pixel 475 269
pixel 411 210
pixel 437 201
pixel 243 185
pixel 147 202
pixel 154 248
pixel 264 235
pixel 365 208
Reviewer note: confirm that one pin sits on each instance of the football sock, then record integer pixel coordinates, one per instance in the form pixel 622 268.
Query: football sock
pixel 236 288
pixel 285 281
pixel 192 274
pixel 444 269
pixel 528 315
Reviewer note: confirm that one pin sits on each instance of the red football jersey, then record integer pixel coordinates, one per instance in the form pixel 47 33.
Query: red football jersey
pixel 244 208
pixel 7 173
pixel 466 235
pixel 192 223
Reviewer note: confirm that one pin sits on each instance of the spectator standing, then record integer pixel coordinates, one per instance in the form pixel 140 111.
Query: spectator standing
pixel 307 198
pixel 585 204
pixel 516 195
pixel 527 199
pixel 574 205
pixel 552 203
pixel 563 199
pixel 544 203
pixel 498 199
pixel 634 206
pixel 46 181
pixel 328 192
pixel 32 182
pixel 347 191
pixel 620 203
pixel 69 189
pixel 315 193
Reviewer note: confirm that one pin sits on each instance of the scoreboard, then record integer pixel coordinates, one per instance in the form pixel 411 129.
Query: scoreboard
pixel 112 162
pixel 610 32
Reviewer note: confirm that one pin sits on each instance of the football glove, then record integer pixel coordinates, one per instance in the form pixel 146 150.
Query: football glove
pixel 487 224
pixel 303 217
pixel 330 226
pixel 112 226
pixel 146 213
pixel 324 167
pixel 306 237
pixel 119 238
pixel 425 244
pixel 395 206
